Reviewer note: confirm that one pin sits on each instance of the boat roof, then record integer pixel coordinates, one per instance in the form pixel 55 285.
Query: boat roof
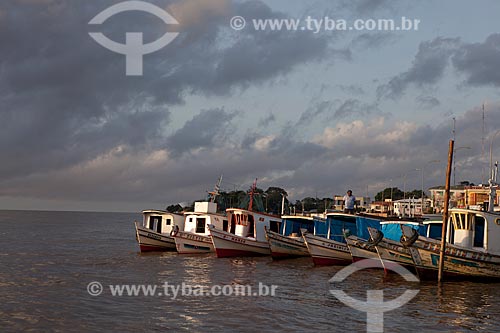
pixel 400 222
pixel 475 211
pixel 433 222
pixel 310 218
pixel 232 210
pixel 159 211
pixel 203 213
pixel 340 214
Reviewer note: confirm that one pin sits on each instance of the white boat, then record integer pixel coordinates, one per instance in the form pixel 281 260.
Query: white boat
pixel 288 242
pixel 327 245
pixel 195 236
pixel 153 234
pixel 472 249
pixel 246 236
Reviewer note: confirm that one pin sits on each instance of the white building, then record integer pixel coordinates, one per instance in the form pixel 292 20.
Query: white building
pixel 410 207
pixel 363 203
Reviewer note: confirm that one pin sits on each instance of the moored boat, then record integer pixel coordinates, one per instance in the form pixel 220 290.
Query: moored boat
pixel 328 246
pixel 153 234
pixel 288 242
pixel 387 239
pixel 195 237
pixel 472 248
pixel 246 235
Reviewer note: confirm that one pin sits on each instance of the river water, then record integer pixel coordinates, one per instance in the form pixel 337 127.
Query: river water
pixel 48 259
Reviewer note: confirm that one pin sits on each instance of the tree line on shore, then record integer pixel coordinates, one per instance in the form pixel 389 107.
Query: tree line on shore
pixel 270 200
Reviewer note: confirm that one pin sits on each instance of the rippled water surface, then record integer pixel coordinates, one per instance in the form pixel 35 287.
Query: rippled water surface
pixel 47 259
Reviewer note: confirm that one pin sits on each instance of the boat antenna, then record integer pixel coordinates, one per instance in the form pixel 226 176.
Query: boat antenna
pixel 482 151
pixel 252 192
pixel 213 194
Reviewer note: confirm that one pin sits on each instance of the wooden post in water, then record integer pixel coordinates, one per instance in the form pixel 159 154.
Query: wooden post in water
pixel 445 213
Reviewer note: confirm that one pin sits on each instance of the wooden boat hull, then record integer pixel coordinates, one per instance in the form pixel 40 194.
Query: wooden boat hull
pixel 361 249
pixel 191 243
pixel 283 247
pixel 150 240
pixel 327 252
pixel 391 251
pixel 459 263
pixel 229 245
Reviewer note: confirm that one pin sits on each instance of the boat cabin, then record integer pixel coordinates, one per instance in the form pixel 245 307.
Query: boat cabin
pixel 292 224
pixel 197 222
pixel 338 226
pixel 251 224
pixel 477 230
pixel 161 221
pixel 392 229
pixel 205 213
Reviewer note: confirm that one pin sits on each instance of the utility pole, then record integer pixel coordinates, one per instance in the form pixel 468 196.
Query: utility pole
pixel 445 213
pixel 454 134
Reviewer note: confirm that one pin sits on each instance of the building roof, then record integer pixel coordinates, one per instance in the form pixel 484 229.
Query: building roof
pixel 452 188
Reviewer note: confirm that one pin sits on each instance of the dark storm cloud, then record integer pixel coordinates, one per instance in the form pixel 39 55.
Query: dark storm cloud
pixel 427 68
pixel 354 107
pixel 266 121
pixel 66 99
pixel 352 89
pixel 480 61
pixel 205 130
pixel 362 7
pixel 373 40
pixel 427 102
pixel 337 109
pixel 313 111
pixel 347 155
pixel 75 127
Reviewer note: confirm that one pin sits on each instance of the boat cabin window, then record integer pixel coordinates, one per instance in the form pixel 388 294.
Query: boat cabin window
pixel 233 224
pixel 200 225
pixel 155 223
pixel 169 221
pixel 224 225
pixel 435 230
pixel 274 226
pixel 250 226
pixel 497 221
pixel 479 231
pixel 242 219
pixel 462 221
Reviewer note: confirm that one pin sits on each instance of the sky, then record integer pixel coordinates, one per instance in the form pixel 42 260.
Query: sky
pixel 313 113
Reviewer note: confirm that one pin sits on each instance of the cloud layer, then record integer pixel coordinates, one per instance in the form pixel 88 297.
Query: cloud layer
pixel 75 128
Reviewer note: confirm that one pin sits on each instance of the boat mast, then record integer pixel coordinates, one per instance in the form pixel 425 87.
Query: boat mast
pixel 482 151
pixel 493 176
pixel 252 192
pixel 216 190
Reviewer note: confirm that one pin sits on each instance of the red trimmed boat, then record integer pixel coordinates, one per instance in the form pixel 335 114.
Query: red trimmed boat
pixel 246 235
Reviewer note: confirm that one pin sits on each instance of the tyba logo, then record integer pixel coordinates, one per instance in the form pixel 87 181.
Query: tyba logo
pixel 133 49
pixel 374 305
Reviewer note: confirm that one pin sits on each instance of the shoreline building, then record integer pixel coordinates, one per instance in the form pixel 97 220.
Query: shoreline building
pixel 462 196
